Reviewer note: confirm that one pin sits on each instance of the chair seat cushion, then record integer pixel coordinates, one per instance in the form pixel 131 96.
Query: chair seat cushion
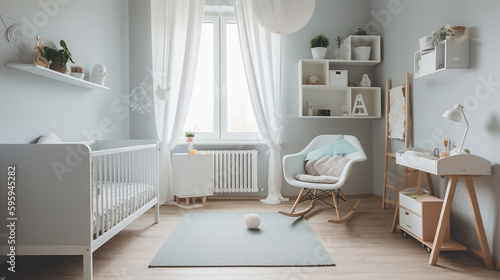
pixel 317 179
pixel 337 147
pixel 323 170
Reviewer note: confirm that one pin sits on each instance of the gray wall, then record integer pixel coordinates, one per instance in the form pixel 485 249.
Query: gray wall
pixel 96 32
pixel 434 94
pixel 332 18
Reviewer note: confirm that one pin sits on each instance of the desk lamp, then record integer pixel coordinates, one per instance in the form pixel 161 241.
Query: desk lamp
pixel 454 115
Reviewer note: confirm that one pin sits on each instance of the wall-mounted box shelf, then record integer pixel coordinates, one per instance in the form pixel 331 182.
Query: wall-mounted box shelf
pixel 448 54
pixel 48 73
pixel 353 41
pixel 333 98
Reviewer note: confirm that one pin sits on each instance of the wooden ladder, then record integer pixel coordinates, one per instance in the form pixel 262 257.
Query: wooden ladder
pixel 388 153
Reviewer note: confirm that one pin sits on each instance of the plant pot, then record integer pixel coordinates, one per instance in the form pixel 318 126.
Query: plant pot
pixel 362 53
pixel 318 53
pixel 56 66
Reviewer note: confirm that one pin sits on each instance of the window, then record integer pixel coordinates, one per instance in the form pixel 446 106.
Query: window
pixel 220 106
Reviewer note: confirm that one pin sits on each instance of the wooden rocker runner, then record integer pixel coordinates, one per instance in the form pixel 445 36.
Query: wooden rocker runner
pixel 321 192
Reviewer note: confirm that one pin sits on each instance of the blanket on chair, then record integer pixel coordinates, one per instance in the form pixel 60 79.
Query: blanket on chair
pixel 323 170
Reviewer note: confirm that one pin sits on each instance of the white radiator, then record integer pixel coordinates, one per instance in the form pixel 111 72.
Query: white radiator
pixel 235 171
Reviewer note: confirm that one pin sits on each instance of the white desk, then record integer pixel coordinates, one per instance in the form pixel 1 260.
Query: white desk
pixel 464 166
pixel 193 176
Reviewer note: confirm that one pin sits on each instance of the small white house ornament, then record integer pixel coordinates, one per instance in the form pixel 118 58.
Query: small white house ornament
pixel 365 81
pixel 98 74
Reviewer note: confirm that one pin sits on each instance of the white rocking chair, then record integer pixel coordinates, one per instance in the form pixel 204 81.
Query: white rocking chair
pixel 316 192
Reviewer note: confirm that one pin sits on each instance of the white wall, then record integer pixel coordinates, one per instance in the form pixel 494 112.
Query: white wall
pixel 96 32
pixel 434 94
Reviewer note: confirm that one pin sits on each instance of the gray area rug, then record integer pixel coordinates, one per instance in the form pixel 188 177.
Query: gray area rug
pixel 221 239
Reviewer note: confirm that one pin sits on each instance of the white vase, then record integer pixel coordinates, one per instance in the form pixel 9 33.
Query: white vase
pixel 337 54
pixel 318 53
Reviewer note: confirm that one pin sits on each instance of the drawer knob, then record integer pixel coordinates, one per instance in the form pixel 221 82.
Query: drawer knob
pixel 406 213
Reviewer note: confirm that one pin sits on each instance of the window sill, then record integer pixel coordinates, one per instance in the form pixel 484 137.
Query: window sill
pixel 226 142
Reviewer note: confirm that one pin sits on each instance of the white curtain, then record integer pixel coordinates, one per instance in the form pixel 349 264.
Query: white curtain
pixel 176 29
pixel 261 51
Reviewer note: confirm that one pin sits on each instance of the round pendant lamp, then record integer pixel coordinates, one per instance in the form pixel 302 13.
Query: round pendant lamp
pixel 283 16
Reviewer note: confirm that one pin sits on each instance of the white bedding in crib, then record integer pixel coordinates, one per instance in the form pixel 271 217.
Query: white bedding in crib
pixel 124 199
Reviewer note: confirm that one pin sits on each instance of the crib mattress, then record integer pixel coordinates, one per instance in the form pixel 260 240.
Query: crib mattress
pixel 113 202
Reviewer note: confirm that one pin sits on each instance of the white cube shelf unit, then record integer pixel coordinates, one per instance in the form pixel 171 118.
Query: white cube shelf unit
pixel 333 98
pixel 448 54
pixel 354 41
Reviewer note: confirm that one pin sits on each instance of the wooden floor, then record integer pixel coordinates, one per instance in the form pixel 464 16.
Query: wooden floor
pixel 363 248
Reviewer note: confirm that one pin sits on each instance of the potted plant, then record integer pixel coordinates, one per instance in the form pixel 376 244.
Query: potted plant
pixel 438 36
pixel 319 43
pixel 360 31
pixel 189 135
pixel 337 53
pixel 58 58
pixel 189 139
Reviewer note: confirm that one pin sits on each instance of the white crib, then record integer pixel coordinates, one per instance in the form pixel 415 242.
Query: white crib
pixel 71 198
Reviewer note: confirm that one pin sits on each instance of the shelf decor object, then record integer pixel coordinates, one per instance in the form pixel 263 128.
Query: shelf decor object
pixel 359 108
pixel 44 72
pixel 283 16
pixel 319 45
pixel 454 115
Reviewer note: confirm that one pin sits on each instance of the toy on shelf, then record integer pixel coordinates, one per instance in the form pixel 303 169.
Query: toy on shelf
pixel 38 58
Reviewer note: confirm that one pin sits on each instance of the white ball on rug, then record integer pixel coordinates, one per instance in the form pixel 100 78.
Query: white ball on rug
pixel 252 221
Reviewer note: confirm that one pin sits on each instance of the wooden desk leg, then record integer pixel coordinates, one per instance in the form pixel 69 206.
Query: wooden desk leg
pixel 444 219
pixel 476 213
pixel 430 185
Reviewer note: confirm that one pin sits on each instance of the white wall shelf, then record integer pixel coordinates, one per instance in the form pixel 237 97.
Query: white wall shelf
pixel 448 54
pixel 344 63
pixel 333 98
pixel 354 41
pixel 337 98
pixel 48 73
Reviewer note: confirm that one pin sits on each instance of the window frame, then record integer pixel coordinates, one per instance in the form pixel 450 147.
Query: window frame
pixel 220 102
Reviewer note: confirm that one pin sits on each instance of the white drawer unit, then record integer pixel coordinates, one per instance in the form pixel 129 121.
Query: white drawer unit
pixel 410 222
pixel 193 176
pixel 419 214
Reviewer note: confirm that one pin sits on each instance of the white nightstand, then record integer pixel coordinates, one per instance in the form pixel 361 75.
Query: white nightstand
pixel 193 176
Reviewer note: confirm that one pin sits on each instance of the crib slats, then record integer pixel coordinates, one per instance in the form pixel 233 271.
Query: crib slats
pixel 123 182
